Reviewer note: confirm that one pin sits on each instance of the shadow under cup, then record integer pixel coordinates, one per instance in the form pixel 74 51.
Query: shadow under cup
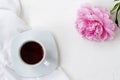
pixel 32 52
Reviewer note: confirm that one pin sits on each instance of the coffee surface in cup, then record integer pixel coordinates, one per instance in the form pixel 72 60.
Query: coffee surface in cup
pixel 31 52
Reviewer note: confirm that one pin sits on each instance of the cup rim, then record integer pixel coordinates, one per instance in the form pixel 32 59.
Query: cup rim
pixel 38 63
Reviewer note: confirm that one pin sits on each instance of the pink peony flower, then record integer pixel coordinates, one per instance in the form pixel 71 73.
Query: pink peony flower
pixel 95 23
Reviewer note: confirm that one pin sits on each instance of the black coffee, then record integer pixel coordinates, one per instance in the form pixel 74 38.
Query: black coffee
pixel 31 52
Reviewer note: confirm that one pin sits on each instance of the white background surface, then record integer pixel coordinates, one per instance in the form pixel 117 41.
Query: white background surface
pixel 81 59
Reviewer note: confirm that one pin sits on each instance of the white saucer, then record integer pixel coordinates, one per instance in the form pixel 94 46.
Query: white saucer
pixel 51 53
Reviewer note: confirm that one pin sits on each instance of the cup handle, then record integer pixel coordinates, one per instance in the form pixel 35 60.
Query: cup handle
pixel 47 63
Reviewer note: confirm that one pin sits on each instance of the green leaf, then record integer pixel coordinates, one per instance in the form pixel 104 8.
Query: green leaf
pixel 115 7
pixel 116 0
pixel 116 21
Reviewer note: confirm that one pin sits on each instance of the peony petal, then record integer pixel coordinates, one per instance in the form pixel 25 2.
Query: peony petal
pixel 94 23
